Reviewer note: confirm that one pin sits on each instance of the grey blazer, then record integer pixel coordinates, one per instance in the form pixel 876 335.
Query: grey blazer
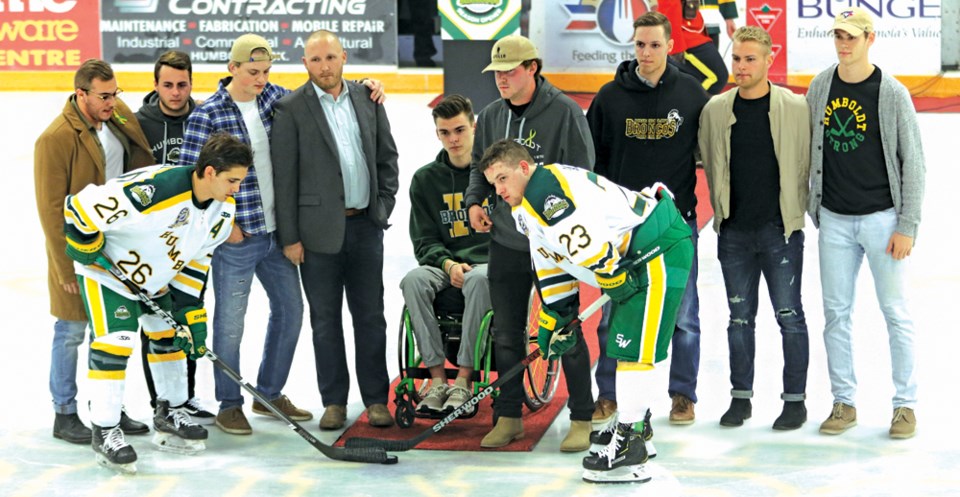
pixel 306 168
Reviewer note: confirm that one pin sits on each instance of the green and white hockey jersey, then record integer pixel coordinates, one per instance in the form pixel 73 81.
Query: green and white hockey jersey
pixel 154 231
pixel 581 224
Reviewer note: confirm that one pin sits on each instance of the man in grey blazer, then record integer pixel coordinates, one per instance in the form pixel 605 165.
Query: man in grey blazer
pixel 335 174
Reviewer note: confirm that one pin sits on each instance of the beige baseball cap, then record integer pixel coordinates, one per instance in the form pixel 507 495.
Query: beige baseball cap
pixel 854 20
pixel 244 46
pixel 511 51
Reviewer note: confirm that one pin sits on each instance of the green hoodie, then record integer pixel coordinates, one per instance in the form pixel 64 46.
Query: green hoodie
pixel 439 225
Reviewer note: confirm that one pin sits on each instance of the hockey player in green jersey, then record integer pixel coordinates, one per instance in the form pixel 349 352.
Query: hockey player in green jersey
pixel 158 225
pixel 635 246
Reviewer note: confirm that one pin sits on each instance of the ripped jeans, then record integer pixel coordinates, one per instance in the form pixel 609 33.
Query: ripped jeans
pixel 234 266
pixel 745 255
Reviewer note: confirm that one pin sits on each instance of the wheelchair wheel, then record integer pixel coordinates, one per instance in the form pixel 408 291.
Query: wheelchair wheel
pixel 405 414
pixel 408 357
pixel 540 378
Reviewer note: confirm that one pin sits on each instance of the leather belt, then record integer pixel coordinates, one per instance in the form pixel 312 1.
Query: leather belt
pixel 355 212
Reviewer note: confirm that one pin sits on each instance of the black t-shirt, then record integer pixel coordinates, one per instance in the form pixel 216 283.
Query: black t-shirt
pixel 754 171
pixel 855 178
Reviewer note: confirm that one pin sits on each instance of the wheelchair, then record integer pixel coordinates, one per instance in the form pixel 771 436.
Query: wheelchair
pixel 539 379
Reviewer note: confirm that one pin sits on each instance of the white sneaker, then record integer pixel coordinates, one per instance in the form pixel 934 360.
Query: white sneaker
pixel 434 399
pixel 457 396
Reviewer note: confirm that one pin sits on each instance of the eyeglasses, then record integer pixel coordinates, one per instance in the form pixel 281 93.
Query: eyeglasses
pixel 104 96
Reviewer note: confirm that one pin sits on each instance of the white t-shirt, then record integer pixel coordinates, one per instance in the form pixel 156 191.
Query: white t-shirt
pixel 112 150
pixel 260 143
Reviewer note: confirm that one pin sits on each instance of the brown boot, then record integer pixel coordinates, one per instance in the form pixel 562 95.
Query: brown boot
pixel 333 417
pixel 682 411
pixel 379 416
pixel 604 411
pixel 842 418
pixel 578 438
pixel 506 431
pixel 904 424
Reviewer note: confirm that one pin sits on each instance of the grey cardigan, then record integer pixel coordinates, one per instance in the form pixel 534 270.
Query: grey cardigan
pixel 902 148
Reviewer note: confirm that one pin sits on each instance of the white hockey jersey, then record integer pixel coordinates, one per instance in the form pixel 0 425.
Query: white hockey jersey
pixel 578 224
pixel 155 231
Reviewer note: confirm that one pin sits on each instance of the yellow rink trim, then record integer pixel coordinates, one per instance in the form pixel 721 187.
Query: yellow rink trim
pixel 172 356
pixel 106 375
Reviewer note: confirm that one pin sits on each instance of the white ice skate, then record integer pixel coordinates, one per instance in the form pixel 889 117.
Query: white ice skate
pixel 112 451
pixel 176 432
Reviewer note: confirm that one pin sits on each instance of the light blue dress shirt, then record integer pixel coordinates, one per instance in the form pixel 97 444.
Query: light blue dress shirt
pixel 346 132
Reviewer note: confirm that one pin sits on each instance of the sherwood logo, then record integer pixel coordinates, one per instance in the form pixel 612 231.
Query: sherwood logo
pixel 463 408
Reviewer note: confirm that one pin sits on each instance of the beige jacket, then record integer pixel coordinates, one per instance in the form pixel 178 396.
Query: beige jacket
pixel 790 129
pixel 66 158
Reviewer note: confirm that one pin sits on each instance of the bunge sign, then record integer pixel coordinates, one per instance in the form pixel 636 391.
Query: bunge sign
pixel 48 34
pixel 137 31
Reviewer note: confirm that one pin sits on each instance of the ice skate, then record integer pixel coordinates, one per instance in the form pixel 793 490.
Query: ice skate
pixel 112 451
pixel 176 431
pixel 601 438
pixel 621 461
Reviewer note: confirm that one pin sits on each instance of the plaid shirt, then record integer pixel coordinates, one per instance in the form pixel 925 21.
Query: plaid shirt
pixel 220 113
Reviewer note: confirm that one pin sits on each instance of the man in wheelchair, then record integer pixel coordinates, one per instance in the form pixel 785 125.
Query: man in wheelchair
pixel 634 245
pixel 450 253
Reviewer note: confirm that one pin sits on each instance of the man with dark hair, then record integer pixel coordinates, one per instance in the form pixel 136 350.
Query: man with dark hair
pixel 644 127
pixel 95 138
pixel 335 170
pixel 867 181
pixel 551 126
pixel 165 110
pixel 450 253
pixel 634 246
pixel 159 226
pixel 755 142
pixel 163 115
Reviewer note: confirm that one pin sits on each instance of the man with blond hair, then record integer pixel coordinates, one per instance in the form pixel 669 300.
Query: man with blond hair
pixel 755 144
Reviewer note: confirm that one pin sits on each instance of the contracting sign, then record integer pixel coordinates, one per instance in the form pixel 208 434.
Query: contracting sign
pixel 137 31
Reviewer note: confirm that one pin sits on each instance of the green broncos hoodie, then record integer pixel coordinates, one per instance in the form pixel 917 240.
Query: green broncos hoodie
pixel 439 226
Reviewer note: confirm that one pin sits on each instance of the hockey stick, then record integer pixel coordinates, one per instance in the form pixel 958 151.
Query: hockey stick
pixel 405 445
pixel 365 455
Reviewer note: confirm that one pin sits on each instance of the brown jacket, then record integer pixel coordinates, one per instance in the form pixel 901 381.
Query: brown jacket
pixel 66 158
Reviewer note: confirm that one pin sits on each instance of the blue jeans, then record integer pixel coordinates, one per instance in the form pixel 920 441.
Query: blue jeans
pixel 357 271
pixel 234 266
pixel 685 343
pixel 844 241
pixel 686 336
pixel 745 255
pixel 67 338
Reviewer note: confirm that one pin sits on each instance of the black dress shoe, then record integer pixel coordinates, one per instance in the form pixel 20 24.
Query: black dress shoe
pixel 793 416
pixel 740 409
pixel 130 426
pixel 68 427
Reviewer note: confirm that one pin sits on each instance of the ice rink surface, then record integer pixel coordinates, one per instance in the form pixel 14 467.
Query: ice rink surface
pixel 701 459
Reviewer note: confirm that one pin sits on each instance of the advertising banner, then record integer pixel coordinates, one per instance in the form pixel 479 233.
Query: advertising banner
pixel 42 35
pixel 771 16
pixel 137 31
pixel 585 35
pixel 907 41
pixel 478 19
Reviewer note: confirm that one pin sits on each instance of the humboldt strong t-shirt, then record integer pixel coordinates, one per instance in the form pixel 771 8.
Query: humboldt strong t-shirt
pixel 855 178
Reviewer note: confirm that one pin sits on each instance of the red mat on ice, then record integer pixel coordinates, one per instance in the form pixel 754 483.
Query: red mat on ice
pixel 465 434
